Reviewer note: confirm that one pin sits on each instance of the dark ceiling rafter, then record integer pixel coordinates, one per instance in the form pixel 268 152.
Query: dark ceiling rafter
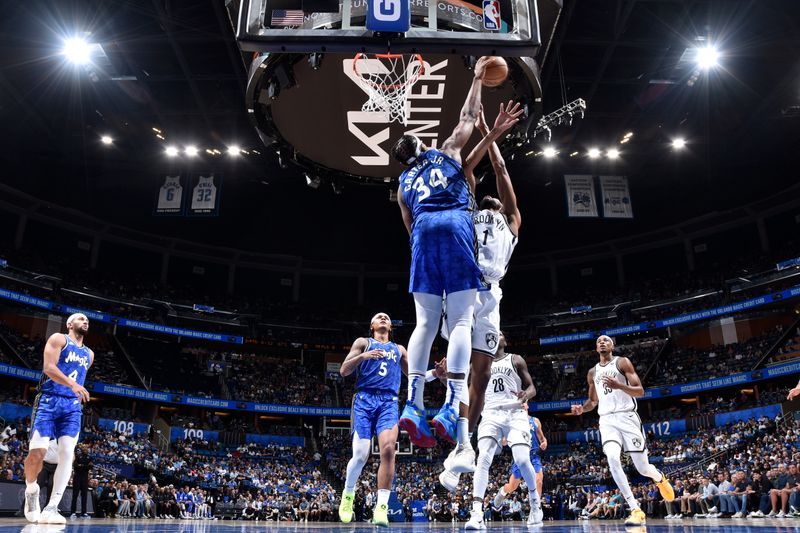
pixel 623 12
pixel 166 23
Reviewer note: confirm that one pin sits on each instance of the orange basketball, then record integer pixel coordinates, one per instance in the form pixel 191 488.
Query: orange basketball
pixel 496 72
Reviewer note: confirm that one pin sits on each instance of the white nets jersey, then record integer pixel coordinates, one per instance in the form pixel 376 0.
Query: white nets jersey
pixel 496 243
pixel 504 384
pixel 612 400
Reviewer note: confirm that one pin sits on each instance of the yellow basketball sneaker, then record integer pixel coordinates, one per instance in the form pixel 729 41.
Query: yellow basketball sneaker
pixel 665 488
pixel 637 518
pixel 346 507
pixel 380 517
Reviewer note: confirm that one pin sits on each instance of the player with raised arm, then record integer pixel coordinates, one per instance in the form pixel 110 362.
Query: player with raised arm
pixel 614 386
pixel 378 363
pixel 505 416
pixel 56 414
pixel 497 226
pixel 436 204
pixel 538 442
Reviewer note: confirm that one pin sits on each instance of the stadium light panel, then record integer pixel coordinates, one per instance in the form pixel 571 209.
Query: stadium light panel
pixel 707 57
pixel 678 143
pixel 613 153
pixel 77 51
pixel 593 153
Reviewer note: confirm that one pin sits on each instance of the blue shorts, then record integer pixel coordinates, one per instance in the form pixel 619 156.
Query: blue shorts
pixel 56 416
pixel 444 253
pixel 535 461
pixel 373 412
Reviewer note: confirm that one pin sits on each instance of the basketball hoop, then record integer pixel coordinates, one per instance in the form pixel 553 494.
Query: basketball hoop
pixel 388 78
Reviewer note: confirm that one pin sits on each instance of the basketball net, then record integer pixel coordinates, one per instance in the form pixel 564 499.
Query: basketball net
pixel 388 78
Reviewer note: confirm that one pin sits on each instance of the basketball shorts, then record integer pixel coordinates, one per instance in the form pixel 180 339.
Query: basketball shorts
pixel 373 412
pixel 511 424
pixel 443 253
pixel 486 320
pixel 54 417
pixel 535 461
pixel 625 429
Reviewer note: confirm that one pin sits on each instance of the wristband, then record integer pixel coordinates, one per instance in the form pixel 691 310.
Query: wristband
pixel 429 376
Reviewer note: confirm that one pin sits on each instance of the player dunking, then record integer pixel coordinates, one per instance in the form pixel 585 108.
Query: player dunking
pixel 436 204
pixel 497 227
pixel 538 442
pixel 57 415
pixel 505 417
pixel 378 362
pixel 613 388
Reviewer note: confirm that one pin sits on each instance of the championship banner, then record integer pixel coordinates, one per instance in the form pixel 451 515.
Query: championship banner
pixel 616 197
pixel 205 195
pixel 169 200
pixel 581 201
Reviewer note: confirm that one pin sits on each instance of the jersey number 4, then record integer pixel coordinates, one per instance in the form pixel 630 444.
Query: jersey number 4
pixel 73 375
pixel 436 179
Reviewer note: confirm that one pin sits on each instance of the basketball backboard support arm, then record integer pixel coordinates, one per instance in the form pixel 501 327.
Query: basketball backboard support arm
pixel 438 26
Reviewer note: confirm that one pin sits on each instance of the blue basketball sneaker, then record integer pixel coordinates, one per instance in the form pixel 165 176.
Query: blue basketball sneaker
pixel 413 422
pixel 445 424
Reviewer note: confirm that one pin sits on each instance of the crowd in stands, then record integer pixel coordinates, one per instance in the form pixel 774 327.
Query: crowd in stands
pixel 686 364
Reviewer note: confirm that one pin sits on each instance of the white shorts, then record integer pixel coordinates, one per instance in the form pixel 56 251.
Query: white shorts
pixel 485 320
pixel 513 424
pixel 625 429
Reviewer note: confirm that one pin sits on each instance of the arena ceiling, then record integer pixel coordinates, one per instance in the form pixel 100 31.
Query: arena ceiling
pixel 172 68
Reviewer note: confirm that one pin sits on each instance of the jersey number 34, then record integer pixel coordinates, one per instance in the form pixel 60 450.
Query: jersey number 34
pixel 436 179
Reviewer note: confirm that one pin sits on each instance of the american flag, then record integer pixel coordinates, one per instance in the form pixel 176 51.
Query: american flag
pixel 287 17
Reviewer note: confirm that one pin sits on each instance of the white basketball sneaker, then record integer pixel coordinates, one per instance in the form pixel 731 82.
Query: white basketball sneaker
pixel 475 521
pixel 536 517
pixel 461 460
pixel 449 480
pixel 32 509
pixel 50 515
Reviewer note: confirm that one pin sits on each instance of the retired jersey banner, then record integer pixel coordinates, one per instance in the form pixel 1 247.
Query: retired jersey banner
pixel 205 194
pixel 169 200
pixel 581 201
pixel 616 197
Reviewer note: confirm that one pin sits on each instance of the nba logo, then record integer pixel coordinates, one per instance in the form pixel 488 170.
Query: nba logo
pixel 491 15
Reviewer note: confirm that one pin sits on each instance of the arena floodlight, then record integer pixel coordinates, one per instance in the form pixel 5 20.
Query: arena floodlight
pixel 171 151
pixel 106 139
pixel 77 51
pixel 707 57
pixel 549 152
pixel 612 153
pixel 190 150
pixel 593 153
pixel 234 150
pixel 678 143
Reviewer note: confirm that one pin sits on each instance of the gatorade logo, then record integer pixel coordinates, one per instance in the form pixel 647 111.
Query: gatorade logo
pixel 389 16
pixel 388 10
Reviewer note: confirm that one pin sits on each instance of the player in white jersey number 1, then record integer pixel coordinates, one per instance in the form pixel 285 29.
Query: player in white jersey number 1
pixel 613 389
pixel 505 416
pixel 497 224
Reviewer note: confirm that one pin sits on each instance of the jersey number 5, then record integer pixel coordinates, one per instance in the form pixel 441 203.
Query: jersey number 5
pixel 383 370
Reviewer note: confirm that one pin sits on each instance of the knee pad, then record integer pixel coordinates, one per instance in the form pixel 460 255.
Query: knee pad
pixel 361 448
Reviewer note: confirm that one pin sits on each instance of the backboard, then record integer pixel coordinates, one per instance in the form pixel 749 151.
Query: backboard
pixel 307 104
pixel 510 28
